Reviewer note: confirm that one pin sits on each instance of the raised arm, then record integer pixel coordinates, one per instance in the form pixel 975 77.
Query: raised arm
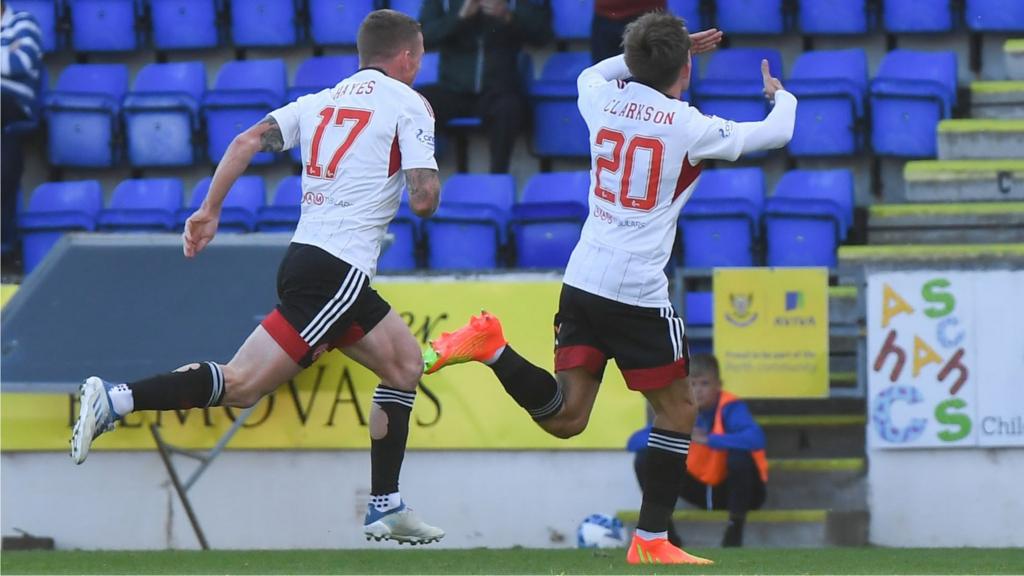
pixel 424 191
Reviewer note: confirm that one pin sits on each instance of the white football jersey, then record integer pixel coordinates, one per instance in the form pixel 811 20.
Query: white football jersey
pixel 356 140
pixel 646 151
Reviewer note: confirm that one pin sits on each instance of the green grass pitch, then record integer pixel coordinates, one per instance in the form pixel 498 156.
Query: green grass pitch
pixel 515 561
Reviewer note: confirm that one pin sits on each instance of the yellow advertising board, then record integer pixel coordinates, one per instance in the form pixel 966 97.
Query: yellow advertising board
pixel 771 331
pixel 328 405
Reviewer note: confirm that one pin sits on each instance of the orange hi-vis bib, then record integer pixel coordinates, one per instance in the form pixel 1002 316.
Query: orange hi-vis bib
pixel 708 464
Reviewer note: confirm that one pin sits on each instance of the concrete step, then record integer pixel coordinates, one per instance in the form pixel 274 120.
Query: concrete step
pixel 1003 99
pixel 1013 52
pixel 829 483
pixel 842 305
pixel 997 255
pixel 804 528
pixel 964 180
pixel 946 223
pixel 813 435
pixel 980 138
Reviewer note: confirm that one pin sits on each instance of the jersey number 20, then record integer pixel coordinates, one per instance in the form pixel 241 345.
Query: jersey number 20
pixel 358 119
pixel 615 161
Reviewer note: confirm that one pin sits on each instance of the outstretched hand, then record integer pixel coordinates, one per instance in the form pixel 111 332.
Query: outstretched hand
pixel 200 228
pixel 771 84
pixel 705 40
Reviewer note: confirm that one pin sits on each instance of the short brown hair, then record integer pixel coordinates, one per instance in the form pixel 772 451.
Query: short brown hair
pixel 383 34
pixel 704 364
pixel 656 46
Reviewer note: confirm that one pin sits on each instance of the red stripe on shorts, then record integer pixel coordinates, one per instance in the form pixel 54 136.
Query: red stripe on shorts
pixel 580 356
pixel 655 378
pixel 286 336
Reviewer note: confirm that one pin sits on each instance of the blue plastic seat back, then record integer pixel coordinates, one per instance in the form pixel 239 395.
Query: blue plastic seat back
pixel 268 77
pixel 795 239
pixel 161 114
pixel 470 226
pixel 282 214
pixel 244 92
pixel 558 187
pixel 82 115
pixel 174 80
pixel 689 11
pixel 741 65
pixel 57 207
pixel 103 25
pixel 143 205
pixel 917 16
pixel 721 240
pixel 241 205
pixel 938 68
pixel 107 80
pixel 497 191
pixel 835 186
pixel 738 190
pixel 184 24
pixel 700 308
pixel 320 72
pixel 429 69
pixel 833 71
pixel 264 23
pixel 401 255
pixel 911 93
pixel 559 129
pixel 834 16
pixel 564 67
pixel 336 23
pixel 571 19
pixel 731 86
pixel 45 13
pixel 750 16
pixel 995 15
pixel 410 7
pixel 550 217
pixel 85 196
pixel 832 87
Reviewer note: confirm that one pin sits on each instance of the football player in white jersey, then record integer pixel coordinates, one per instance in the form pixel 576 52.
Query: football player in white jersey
pixel 647 147
pixel 362 141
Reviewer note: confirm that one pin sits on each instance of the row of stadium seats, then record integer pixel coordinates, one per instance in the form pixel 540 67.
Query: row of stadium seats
pixel 121 25
pixel 169 112
pixel 480 225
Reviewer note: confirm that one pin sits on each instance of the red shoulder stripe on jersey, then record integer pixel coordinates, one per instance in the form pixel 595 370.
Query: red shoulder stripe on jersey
pixel 426 103
pixel 687 175
pixel 622 84
pixel 396 156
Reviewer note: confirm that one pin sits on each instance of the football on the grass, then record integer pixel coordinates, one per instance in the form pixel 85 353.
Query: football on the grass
pixel 600 531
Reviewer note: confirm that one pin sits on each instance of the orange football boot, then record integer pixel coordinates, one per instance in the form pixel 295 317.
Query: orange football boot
pixel 660 551
pixel 478 340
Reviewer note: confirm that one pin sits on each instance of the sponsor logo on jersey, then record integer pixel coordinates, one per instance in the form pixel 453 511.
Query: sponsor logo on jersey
pixel 741 314
pixel 425 137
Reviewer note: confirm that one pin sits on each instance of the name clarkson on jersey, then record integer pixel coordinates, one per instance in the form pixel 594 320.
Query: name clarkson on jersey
pixel 634 111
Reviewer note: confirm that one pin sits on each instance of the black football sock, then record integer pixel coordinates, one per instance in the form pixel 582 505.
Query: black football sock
pixel 531 387
pixel 193 386
pixel 733 537
pixel 666 464
pixel 387 453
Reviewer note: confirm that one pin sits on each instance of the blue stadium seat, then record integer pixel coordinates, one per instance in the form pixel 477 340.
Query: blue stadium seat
pixel 282 215
pixel 184 24
pixel 46 13
pixel 241 205
pixel 336 23
pixel 264 23
pixel 244 93
pixel 316 74
pixel 410 7
pixel 150 204
pixel 700 309
pixel 722 219
pixel 405 230
pixel 731 86
pixel 429 70
pixel 689 11
pixel 549 217
pixel 830 17
pixel 82 113
pixel 911 93
pixel 468 229
pixel 750 16
pixel 917 16
pixel 571 19
pixel 161 114
pixel 104 25
pixel 800 232
pixel 835 187
pixel 994 15
pixel 56 208
pixel 831 86
pixel 558 127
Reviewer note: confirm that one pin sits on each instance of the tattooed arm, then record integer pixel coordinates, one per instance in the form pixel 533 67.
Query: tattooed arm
pixel 202 225
pixel 424 191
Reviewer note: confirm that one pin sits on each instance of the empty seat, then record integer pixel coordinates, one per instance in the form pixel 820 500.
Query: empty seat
pixel 917 16
pixel 549 217
pixel 721 221
pixel 732 87
pixel 570 19
pixel 700 308
pixel 336 23
pixel 405 232
pixel 835 16
pixel 56 208
pixel 82 113
pixel 410 7
pixel 807 217
pixel 689 11
pixel 184 24
pixel 322 72
pixel 46 13
pixel 241 205
pixel 994 15
pixel 103 25
pixel 558 127
pixel 835 187
pixel 468 229
pixel 244 93
pixel 750 16
pixel 282 215
pixel 911 93
pixel 831 86
pixel 149 204
pixel 161 114
pixel 264 23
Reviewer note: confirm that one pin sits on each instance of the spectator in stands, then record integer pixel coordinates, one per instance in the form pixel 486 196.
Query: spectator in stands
pixel 480 42
pixel 726 467
pixel 20 65
pixel 609 23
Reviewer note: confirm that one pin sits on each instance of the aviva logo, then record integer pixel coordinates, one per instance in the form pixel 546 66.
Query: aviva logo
pixel 794 300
